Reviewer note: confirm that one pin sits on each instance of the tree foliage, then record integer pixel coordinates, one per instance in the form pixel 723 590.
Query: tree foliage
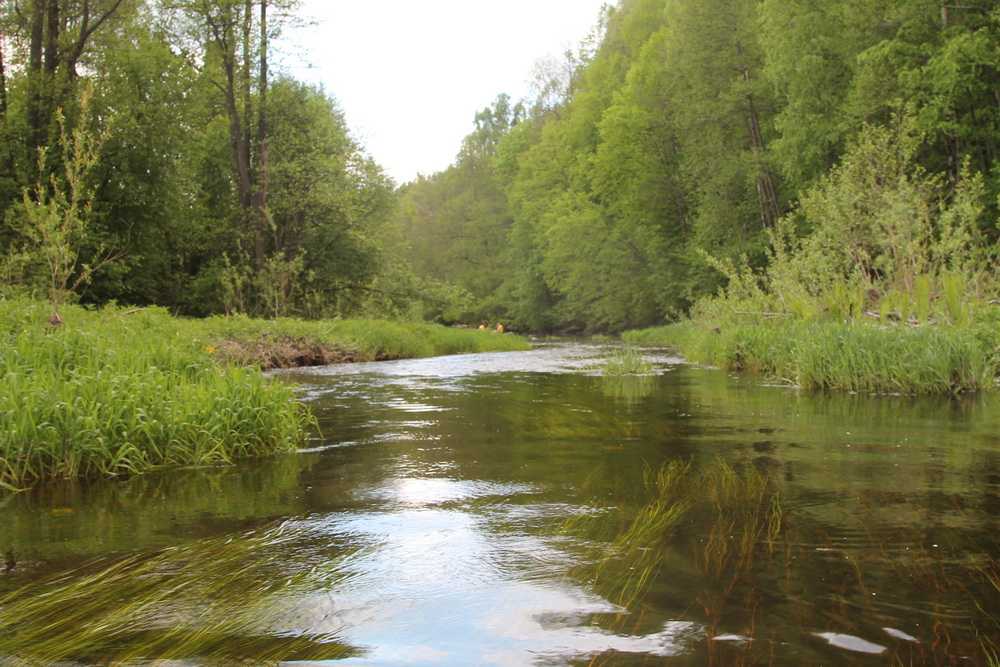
pixel 754 146
pixel 693 144
pixel 217 185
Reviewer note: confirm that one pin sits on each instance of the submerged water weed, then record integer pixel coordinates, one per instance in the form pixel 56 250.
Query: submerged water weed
pixel 747 512
pixel 743 504
pixel 627 360
pixel 226 599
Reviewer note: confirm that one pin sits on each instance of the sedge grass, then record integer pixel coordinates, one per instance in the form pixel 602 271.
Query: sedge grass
pixel 627 360
pixel 119 392
pixel 850 356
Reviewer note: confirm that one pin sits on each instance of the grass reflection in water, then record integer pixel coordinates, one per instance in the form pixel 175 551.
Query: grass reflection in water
pixel 628 389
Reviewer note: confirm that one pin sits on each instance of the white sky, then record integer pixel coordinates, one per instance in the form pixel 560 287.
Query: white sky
pixel 411 74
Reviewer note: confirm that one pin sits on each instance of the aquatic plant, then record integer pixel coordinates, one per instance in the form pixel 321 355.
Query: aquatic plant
pixel 225 599
pixel 628 389
pixel 737 503
pixel 627 360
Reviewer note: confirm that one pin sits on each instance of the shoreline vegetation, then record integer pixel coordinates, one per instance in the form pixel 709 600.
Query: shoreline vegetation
pixel 884 280
pixel 122 391
pixel 854 356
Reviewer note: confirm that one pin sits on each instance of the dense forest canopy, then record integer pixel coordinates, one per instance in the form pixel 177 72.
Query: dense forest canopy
pixel 214 185
pixel 697 132
pixel 149 155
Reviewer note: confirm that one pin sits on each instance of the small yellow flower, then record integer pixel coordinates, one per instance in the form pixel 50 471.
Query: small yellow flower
pixel 210 349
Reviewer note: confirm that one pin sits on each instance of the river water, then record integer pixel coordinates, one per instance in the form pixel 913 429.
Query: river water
pixel 504 509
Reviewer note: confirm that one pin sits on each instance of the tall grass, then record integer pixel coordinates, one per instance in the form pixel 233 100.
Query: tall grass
pixel 116 394
pixel 627 360
pixel 119 392
pixel 851 356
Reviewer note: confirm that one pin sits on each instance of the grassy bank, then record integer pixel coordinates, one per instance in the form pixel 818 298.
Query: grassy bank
pixel 287 343
pixel 118 392
pixel 852 356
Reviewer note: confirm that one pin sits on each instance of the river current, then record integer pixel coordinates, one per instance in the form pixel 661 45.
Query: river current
pixel 518 509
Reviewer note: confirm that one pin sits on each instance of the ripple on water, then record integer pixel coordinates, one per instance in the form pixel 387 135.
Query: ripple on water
pixel 426 492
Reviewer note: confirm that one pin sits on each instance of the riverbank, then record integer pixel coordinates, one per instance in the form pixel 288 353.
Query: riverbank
pixel 858 356
pixel 119 391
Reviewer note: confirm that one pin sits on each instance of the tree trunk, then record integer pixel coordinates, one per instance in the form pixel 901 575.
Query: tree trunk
pixel 766 192
pixel 53 27
pixel 241 163
pixel 3 82
pixel 262 140
pixel 223 34
pixel 34 107
pixel 252 147
pixel 50 97
pixel 246 80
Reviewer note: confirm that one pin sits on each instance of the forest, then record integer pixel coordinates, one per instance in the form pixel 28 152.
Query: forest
pixel 150 156
pixel 775 157
pixel 810 158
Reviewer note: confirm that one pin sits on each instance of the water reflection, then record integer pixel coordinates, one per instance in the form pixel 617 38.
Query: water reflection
pixel 629 389
pixel 519 509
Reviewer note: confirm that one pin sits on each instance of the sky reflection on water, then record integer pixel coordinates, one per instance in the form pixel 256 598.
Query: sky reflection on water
pixel 471 510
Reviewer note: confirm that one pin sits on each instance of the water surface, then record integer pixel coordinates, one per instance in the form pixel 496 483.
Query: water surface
pixel 483 510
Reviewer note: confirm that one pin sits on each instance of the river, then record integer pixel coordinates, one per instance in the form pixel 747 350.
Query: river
pixel 514 509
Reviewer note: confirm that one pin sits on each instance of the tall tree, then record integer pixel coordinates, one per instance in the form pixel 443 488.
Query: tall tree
pixel 60 33
pixel 723 110
pixel 262 141
pixel 3 76
pixel 233 50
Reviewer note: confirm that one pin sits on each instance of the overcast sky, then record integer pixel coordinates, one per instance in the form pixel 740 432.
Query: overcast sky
pixel 411 74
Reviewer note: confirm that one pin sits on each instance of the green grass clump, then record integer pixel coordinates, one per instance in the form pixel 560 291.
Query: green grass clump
pixel 111 393
pixel 627 361
pixel 119 392
pixel 852 356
